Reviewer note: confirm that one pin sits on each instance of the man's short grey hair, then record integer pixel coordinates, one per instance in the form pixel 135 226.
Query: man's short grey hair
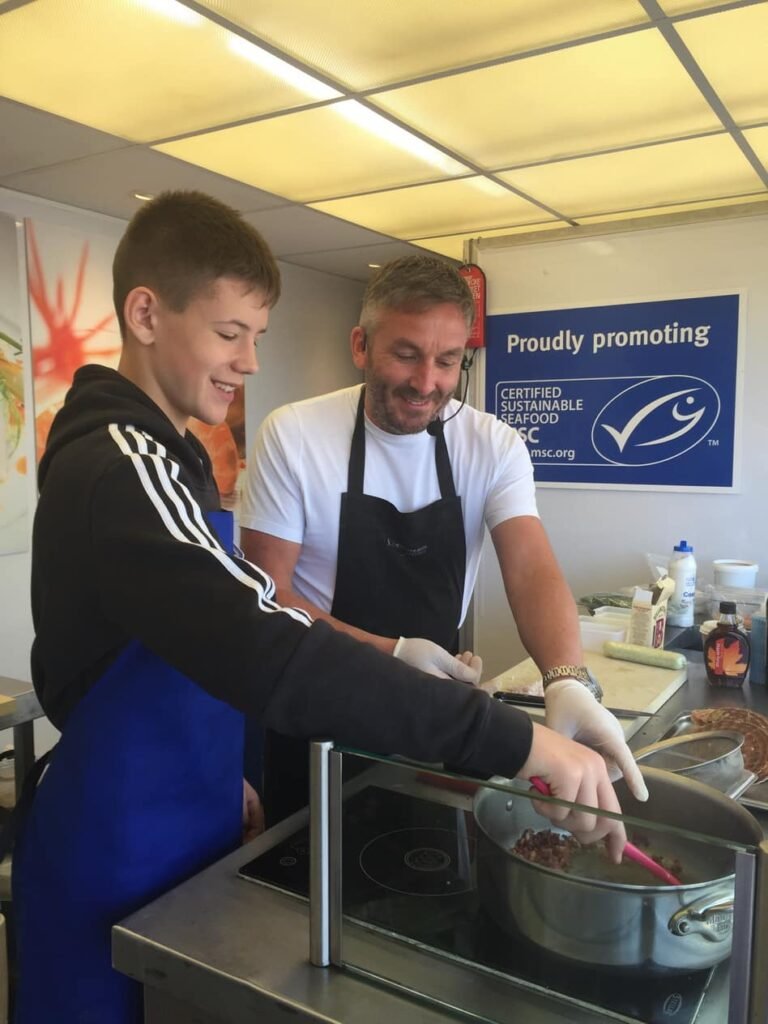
pixel 415 284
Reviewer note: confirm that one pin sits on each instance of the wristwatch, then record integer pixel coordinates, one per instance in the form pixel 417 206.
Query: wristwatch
pixel 578 672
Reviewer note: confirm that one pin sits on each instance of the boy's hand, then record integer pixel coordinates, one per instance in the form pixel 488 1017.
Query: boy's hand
pixel 253 813
pixel 580 775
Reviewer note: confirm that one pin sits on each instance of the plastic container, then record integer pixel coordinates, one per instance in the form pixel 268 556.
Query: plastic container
pixel 615 613
pixel 730 572
pixel 594 632
pixel 727 650
pixel 682 569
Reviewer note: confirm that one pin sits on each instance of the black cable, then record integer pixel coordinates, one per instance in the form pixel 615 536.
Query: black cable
pixel 466 365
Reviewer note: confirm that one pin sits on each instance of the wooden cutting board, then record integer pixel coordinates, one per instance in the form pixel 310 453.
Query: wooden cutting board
pixel 625 684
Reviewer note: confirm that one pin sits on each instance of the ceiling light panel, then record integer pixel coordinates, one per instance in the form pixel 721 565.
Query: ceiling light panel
pixel 695 169
pixel 672 7
pixel 335 150
pixel 449 207
pixel 365 43
pixel 732 50
pixel 601 95
pixel 142 69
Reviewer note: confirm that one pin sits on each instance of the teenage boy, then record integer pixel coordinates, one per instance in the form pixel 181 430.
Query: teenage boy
pixel 152 638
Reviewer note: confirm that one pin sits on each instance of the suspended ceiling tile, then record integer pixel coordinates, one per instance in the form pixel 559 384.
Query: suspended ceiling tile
pixel 447 207
pixel 657 211
pixel 731 49
pixel 297 229
pixel 354 263
pixel 694 169
pixel 32 138
pixel 315 154
pixel 143 69
pixel 758 140
pixel 600 95
pixel 365 43
pixel 445 245
pixel 672 7
pixel 108 182
pixel 453 245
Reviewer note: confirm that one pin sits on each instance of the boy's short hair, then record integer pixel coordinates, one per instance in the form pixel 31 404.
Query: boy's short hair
pixel 181 242
pixel 415 284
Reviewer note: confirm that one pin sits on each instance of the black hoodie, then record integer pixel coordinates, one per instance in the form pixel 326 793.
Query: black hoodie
pixel 121 553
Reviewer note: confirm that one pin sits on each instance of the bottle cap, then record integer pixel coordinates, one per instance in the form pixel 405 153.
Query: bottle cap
pixel 683 546
pixel 727 607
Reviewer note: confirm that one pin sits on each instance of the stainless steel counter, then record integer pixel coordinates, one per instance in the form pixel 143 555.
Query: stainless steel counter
pixel 19 716
pixel 218 949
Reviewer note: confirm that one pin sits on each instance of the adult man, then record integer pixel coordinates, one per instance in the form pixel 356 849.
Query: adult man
pixel 152 637
pixel 368 508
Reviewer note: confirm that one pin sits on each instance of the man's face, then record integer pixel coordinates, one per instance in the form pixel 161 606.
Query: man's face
pixel 199 357
pixel 412 363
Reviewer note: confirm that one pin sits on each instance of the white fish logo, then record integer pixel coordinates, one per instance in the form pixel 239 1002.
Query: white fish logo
pixel 655 419
pixel 622 436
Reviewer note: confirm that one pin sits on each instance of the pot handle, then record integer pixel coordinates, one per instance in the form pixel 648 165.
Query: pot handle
pixel 711 917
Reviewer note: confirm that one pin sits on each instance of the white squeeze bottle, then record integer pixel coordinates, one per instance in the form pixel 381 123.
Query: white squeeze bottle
pixel 682 569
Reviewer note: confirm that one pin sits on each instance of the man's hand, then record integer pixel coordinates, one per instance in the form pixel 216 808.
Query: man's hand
pixel 429 657
pixel 572 711
pixel 574 772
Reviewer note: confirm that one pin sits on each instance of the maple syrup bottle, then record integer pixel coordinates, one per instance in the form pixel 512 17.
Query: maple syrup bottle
pixel 726 649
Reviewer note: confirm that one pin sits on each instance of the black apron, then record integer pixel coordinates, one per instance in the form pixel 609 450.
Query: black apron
pixel 397 574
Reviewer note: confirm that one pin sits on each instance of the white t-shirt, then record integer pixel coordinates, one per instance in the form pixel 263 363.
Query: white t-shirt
pixel 297 472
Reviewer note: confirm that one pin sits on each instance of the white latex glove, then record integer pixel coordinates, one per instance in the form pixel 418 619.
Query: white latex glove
pixel 431 658
pixel 573 711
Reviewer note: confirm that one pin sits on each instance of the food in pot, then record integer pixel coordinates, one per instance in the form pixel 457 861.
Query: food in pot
pixel 564 852
pixel 752 726
pixel 548 848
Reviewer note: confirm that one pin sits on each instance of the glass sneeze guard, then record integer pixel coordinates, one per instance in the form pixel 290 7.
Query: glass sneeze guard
pixel 417 882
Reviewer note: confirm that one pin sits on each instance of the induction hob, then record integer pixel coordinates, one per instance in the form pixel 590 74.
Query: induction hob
pixel 408 869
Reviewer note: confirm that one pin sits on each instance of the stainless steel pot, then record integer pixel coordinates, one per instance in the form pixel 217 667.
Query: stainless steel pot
pixel 607 924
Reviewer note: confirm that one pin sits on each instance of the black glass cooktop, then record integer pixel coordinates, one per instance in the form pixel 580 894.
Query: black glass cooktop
pixel 408 868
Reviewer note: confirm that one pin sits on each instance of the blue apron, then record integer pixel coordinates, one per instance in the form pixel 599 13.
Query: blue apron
pixel 143 790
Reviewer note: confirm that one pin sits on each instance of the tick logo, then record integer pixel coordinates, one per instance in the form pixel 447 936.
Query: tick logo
pixel 655 420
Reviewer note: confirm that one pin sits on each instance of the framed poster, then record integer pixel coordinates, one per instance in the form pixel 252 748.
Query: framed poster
pixel 14 417
pixel 630 395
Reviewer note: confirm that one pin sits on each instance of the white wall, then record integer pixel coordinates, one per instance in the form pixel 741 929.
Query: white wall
pixel 304 353
pixel 600 536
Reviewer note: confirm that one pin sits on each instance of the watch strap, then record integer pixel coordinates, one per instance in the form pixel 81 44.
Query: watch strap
pixel 578 672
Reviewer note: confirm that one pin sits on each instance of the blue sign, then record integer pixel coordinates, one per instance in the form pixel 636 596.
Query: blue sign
pixel 637 394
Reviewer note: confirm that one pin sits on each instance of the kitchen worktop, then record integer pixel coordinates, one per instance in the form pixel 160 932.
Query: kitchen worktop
pixel 218 949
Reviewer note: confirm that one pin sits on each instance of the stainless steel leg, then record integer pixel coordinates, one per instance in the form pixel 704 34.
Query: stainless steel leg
pixel 758 993
pixel 334 857
pixel 23 752
pixel 743 938
pixel 319 853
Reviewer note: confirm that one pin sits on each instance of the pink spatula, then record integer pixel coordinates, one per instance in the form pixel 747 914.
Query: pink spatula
pixel 630 850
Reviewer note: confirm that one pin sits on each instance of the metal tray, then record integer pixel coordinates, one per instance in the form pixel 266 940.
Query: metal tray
pixel 750 795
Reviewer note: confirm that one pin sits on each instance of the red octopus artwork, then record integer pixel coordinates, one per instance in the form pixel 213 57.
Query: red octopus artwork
pixel 54 362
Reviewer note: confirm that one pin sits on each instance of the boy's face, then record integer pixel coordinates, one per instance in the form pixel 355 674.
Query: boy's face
pixel 199 357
